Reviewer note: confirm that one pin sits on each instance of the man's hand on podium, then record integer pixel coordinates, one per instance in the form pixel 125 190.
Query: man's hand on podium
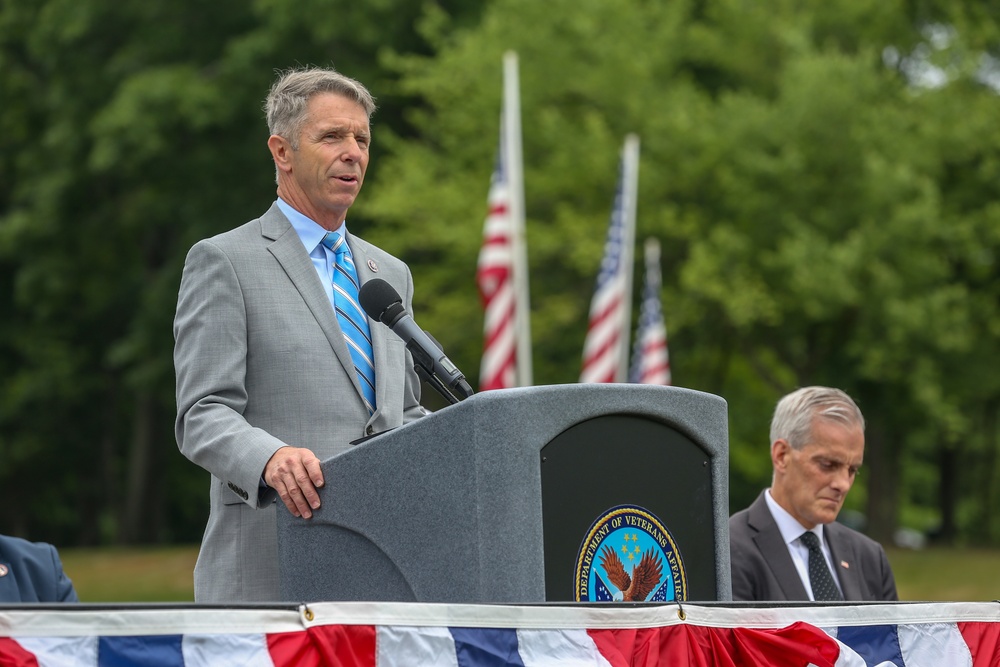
pixel 295 473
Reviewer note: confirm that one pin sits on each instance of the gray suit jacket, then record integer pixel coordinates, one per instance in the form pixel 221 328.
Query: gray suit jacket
pixel 763 569
pixel 261 363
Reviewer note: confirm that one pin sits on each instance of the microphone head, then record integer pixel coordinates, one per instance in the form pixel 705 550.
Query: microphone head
pixel 375 296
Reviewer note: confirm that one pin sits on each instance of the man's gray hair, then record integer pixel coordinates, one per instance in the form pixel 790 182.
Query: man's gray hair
pixel 794 414
pixel 288 98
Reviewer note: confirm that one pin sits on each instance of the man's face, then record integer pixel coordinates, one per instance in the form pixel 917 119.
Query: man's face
pixel 811 483
pixel 328 168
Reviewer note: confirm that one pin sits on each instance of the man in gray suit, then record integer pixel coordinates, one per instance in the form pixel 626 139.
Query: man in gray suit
pixel 787 545
pixel 266 384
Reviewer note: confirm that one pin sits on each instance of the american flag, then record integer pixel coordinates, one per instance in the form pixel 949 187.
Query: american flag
pixel 605 348
pixel 502 274
pixel 650 359
pixel 495 277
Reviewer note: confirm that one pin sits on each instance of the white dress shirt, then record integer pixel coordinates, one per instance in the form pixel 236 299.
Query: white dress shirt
pixel 791 532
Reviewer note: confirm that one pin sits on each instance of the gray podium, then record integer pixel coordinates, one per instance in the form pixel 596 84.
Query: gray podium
pixel 488 500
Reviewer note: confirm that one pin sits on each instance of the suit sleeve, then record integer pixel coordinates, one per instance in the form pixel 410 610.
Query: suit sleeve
pixel 210 359
pixel 742 585
pixel 889 593
pixel 742 573
pixel 64 591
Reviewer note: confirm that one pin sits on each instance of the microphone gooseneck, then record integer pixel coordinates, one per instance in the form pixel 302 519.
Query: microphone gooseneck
pixel 382 302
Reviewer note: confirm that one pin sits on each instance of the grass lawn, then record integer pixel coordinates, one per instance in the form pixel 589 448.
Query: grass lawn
pixel 156 574
pixel 947 575
pixel 164 574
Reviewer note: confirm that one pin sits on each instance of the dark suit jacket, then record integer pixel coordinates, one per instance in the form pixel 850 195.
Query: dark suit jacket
pixel 32 572
pixel 763 569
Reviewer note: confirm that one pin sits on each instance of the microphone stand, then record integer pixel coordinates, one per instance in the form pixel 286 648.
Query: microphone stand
pixel 421 362
pixel 433 381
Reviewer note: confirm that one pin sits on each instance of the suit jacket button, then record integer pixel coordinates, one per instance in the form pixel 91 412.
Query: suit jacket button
pixel 369 430
pixel 238 491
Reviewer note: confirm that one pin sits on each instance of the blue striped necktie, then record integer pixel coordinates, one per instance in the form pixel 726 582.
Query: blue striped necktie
pixel 353 321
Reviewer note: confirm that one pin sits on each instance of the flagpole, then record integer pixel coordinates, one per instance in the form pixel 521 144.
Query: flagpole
pixel 515 170
pixel 630 191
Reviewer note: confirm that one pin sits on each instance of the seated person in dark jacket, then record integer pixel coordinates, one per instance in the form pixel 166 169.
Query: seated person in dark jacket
pixel 32 572
pixel 787 544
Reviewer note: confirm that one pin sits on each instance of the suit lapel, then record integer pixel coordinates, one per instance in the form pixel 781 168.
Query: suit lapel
pixel 843 557
pixel 9 590
pixel 772 546
pixel 287 248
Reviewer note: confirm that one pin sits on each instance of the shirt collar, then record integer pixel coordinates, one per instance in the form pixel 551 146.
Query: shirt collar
pixel 789 526
pixel 309 231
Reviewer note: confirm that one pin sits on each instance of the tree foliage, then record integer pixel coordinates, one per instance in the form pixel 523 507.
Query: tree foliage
pixel 129 131
pixel 821 176
pixel 825 207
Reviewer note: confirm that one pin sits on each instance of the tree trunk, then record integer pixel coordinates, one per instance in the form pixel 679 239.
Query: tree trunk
pixel 135 507
pixel 986 484
pixel 947 493
pixel 881 456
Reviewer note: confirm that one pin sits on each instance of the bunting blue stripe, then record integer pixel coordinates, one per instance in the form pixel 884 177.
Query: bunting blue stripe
pixel 486 647
pixel 159 650
pixel 877 644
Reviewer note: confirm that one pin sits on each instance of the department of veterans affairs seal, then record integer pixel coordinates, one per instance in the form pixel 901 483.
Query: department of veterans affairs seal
pixel 628 555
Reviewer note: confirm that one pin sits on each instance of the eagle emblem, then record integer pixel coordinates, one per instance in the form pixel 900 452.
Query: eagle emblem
pixel 644 578
pixel 628 555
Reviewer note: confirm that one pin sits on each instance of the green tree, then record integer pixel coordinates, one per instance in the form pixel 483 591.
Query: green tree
pixel 130 130
pixel 825 219
pixel 826 215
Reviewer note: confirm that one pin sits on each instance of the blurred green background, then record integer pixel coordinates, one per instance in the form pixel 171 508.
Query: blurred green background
pixel 824 178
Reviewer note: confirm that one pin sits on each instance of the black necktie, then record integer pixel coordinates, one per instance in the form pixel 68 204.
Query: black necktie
pixel 824 589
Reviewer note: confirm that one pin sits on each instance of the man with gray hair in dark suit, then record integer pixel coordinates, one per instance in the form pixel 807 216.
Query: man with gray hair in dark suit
pixel 787 545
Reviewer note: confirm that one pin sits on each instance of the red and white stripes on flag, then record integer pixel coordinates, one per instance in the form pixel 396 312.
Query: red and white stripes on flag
pixel 605 349
pixel 502 269
pixel 650 359
pixel 495 277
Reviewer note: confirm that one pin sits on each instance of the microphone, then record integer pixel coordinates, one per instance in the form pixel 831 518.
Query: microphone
pixel 381 302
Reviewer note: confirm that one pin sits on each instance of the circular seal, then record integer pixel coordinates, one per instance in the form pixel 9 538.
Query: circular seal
pixel 628 555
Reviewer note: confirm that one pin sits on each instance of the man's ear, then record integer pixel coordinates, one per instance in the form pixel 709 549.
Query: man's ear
pixel 780 451
pixel 281 151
